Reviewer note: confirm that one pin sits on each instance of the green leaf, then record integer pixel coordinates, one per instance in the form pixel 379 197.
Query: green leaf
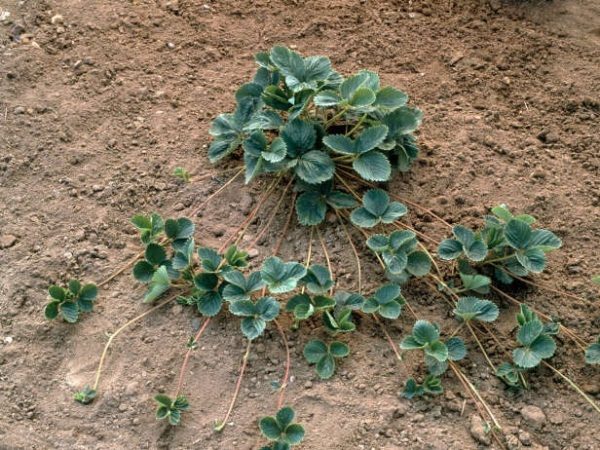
pixel 433 385
pixel 378 243
pixel 270 428
pixel 352 84
pixel 402 121
pixel 525 357
pixel 412 389
pixel 299 137
pixel 376 201
pixel 410 343
pixel 245 308
pixel 163 400
pixel 532 259
pixel 85 396
pixel 390 98
pixel 56 292
pixel 209 259
pixel 315 350
pixel 517 234
pixel 206 281
pixel 390 310
pixel 363 218
pixel 69 311
pixel 370 138
pixel 340 200
pixel 159 284
pixel 544 346
pixel 51 310
pixel 544 239
pixel 469 308
pixel 373 166
pixel 88 292
pixel 327 98
pixel 267 308
pixel 326 367
pixel 362 97
pixel 339 349
pixel 155 254
pixel 281 277
pixel 456 349
pixel 294 434
pixel 476 283
pixel 502 212
pixel 253 327
pixel 434 366
pixel 315 167
pixel 318 279
pixel 209 303
pixel 529 332
pixel 74 287
pixel 418 264
pixel 143 271
pixel 340 144
pixel 424 332
pixel 387 293
pixel 450 249
pixel 437 350
pixel 310 208
pixel 592 353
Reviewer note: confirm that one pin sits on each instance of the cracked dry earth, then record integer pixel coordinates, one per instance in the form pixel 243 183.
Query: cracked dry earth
pixel 101 99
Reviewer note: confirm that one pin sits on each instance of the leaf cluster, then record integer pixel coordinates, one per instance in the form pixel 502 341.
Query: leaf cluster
pixel 281 430
pixel 171 408
pixel 425 336
pixel 69 302
pixel 324 356
pixel 299 116
pixel 507 244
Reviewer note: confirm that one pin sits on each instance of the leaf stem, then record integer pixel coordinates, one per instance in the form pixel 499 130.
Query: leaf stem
pixel 288 364
pixel 336 116
pixel 119 330
pixel 354 250
pixel 217 192
pixel 273 213
pixel 388 337
pixel 573 385
pixel 358 124
pixel 220 425
pixel 187 357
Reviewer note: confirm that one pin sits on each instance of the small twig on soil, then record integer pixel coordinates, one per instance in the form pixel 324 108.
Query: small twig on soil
pixel 220 425
pixel 273 213
pixel 187 357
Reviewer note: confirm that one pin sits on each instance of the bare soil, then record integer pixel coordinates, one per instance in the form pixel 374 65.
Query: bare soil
pixel 101 99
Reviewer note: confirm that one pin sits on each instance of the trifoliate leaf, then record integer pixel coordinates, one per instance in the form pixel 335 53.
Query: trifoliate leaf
pixel 472 308
pixel 281 277
pixel 456 349
pixel 317 279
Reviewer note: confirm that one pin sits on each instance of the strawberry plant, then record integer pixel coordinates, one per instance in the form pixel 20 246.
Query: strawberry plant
pixel 400 256
pixel 324 356
pixel 387 301
pixel 182 174
pixel 431 385
pixel 376 208
pixel 535 344
pixel 299 117
pixel 426 337
pixel 281 430
pixel 71 301
pixel 507 245
pixel 171 409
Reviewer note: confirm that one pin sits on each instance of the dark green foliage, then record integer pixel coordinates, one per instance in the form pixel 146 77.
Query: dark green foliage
pixel 71 301
pixel 426 337
pixel 507 244
pixel 150 227
pixel 299 116
pixel 339 320
pixel 387 301
pixel 592 353
pixel 535 339
pixel 324 356
pixel 431 385
pixel 473 308
pixel 281 430
pixel 376 208
pixel 171 409
pixel 85 396
pixel 255 315
pixel 315 199
pixel 400 255
pixel 182 174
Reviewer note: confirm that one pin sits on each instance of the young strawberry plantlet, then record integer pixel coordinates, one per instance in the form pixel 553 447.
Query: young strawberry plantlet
pixel 376 208
pixel 255 315
pixel 171 409
pixel 70 302
pixel 324 356
pixel 150 227
pixel 473 308
pixel 387 301
pixel 426 337
pixel 281 430
pixel 400 256
pixel 339 320
pixel 312 203
pixel 281 277
pixel 507 245
pixel 431 385
pixel 182 174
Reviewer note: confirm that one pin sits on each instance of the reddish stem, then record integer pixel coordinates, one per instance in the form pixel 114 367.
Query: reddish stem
pixel 187 356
